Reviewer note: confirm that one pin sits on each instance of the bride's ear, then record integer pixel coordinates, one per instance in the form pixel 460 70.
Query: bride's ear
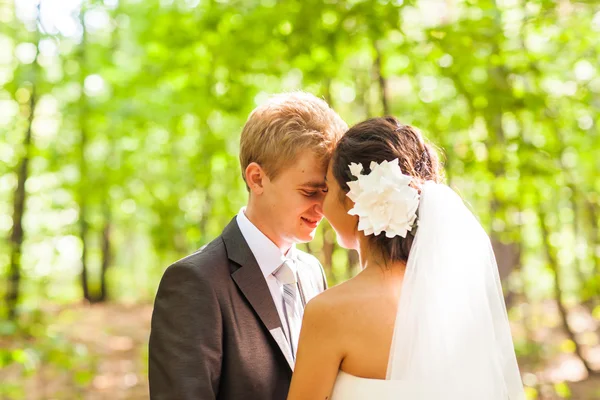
pixel 255 177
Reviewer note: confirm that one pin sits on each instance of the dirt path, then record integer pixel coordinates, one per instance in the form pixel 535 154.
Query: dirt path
pixel 110 342
pixel 90 352
pixel 118 335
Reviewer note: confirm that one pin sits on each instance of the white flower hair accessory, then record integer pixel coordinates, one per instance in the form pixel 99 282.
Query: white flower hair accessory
pixel 383 199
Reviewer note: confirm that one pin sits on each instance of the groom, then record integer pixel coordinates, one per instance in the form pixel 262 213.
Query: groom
pixel 226 319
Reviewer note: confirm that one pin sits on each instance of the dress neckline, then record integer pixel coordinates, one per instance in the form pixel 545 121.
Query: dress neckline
pixel 360 377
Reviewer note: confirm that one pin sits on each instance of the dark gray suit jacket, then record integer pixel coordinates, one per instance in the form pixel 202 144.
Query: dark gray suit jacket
pixel 216 333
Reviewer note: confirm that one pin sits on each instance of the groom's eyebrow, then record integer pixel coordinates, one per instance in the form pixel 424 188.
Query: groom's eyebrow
pixel 315 184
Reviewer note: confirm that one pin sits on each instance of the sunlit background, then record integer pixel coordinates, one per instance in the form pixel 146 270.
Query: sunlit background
pixel 119 126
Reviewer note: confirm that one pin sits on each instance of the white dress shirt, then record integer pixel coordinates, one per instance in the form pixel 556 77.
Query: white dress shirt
pixel 268 256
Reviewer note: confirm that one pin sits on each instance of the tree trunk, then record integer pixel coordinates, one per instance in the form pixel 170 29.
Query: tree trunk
pixel 364 87
pixel 83 230
pixel 558 291
pixel 382 81
pixel 106 253
pixel 328 246
pixel 83 173
pixel 595 245
pixel 17 234
pixel 586 283
pixel 576 196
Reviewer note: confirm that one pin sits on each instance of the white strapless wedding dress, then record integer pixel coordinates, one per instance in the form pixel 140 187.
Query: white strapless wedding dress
pixel 350 387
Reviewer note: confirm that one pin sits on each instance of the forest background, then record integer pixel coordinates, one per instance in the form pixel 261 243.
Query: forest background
pixel 119 134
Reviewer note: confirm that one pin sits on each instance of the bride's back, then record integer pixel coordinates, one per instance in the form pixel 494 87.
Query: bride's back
pixel 364 310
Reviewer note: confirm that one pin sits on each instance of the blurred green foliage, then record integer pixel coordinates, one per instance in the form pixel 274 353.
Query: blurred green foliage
pixel 134 110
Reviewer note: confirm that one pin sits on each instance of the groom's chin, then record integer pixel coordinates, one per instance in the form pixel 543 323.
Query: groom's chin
pixel 305 238
pixel 305 235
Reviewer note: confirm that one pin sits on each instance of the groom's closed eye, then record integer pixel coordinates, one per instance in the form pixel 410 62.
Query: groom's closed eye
pixel 311 189
pixel 313 193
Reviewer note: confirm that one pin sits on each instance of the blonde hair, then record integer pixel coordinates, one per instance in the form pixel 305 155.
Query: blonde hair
pixel 286 124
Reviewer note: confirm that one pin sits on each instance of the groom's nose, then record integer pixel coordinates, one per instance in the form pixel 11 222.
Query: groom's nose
pixel 319 208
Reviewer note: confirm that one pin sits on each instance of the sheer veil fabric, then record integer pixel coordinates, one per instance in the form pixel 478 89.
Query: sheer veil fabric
pixel 452 337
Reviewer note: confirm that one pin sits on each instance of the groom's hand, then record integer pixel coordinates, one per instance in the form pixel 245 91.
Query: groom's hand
pixel 186 334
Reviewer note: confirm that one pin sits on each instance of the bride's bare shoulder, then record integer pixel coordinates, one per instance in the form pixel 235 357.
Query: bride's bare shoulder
pixel 333 305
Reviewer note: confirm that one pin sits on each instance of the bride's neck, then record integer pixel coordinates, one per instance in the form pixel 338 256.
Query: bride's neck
pixel 371 257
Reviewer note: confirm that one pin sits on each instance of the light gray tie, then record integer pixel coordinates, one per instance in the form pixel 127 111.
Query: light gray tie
pixel 292 305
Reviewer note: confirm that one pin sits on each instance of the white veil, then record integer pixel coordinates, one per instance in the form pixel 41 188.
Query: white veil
pixel 452 338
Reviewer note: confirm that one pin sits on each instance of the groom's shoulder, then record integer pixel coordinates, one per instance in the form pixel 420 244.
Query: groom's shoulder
pixel 207 261
pixel 308 258
pixel 313 263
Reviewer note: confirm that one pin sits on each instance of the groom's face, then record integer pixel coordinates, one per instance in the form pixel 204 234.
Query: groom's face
pixel 294 199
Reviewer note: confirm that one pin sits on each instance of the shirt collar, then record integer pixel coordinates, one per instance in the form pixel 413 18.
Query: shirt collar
pixel 268 256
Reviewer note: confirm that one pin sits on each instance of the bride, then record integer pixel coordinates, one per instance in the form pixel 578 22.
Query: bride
pixel 425 319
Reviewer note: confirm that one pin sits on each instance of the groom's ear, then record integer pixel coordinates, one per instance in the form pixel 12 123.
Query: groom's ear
pixel 255 177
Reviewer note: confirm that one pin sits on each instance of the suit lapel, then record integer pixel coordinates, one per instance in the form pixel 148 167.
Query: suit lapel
pixel 251 282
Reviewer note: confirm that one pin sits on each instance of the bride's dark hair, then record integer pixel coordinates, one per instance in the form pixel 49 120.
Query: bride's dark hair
pixel 384 139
